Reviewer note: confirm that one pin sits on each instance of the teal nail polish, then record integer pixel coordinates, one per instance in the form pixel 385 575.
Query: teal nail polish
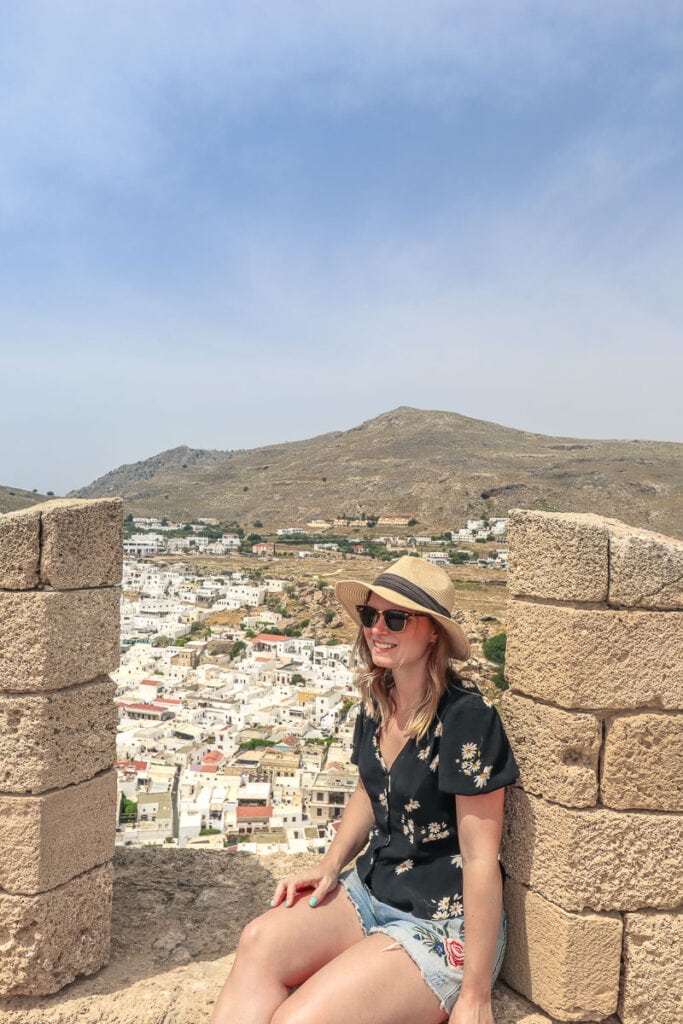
pixel 313 902
pixel 287 903
pixel 272 903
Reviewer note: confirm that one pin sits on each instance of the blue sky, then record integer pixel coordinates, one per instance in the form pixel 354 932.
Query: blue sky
pixel 229 224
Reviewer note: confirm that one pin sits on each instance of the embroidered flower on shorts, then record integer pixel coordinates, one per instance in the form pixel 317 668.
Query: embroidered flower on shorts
pixel 455 953
pixel 438 941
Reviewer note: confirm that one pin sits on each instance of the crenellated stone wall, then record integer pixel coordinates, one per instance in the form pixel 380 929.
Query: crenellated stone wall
pixel 60 564
pixel 593 841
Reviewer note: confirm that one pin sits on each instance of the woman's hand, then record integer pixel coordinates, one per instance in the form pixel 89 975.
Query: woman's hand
pixel 471 1011
pixel 322 879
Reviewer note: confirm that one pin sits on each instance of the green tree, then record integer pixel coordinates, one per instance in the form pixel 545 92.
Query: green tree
pixel 237 648
pixel 128 809
pixel 329 615
pixel 494 648
pixel 459 557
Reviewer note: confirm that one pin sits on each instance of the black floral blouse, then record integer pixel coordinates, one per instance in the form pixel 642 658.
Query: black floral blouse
pixel 413 858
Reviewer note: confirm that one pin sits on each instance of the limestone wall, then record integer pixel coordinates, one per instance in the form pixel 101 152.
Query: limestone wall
pixel 593 841
pixel 60 564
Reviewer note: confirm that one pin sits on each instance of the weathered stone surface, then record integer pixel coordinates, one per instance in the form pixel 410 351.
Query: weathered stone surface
pixel 192 905
pixel 57 639
pixel 57 738
pixel 596 859
pixel 557 751
pixel 642 765
pixel 592 658
pixel 652 987
pixel 511 1008
pixel 558 555
pixel 47 840
pixel 19 549
pixel 646 569
pixel 579 978
pixel 82 543
pixel 50 939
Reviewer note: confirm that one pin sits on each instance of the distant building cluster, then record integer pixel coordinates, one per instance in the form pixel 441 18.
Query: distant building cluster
pixel 154 540
pixel 248 748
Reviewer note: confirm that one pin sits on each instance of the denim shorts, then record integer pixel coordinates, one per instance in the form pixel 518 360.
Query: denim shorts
pixel 436 947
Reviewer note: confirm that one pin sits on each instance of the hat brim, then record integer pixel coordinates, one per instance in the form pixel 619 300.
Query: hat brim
pixel 351 593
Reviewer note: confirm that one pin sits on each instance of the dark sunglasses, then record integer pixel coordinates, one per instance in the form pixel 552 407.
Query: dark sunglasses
pixel 394 619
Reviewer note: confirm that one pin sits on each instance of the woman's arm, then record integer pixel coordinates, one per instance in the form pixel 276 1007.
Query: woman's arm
pixel 351 837
pixel 480 825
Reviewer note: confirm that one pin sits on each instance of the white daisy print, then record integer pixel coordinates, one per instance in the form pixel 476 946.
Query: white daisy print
pixel 434 764
pixel 456 860
pixel 439 730
pixel 448 906
pixel 412 805
pixel 405 865
pixel 469 750
pixel 435 830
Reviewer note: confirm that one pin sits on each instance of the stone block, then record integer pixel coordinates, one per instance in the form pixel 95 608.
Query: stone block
pixel 48 740
pixel 646 569
pixel 51 938
pixel 557 751
pixel 642 764
pixel 595 859
pixel 558 555
pixel 19 549
pixel 595 658
pixel 652 986
pixel 575 979
pixel 54 639
pixel 47 840
pixel 82 543
pixel 511 1008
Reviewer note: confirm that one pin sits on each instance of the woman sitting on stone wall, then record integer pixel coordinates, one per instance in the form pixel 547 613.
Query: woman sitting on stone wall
pixel 415 933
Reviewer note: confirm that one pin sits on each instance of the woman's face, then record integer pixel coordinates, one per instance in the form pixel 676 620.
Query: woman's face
pixel 407 649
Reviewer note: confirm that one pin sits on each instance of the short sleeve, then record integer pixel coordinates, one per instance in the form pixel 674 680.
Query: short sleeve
pixel 357 736
pixel 475 755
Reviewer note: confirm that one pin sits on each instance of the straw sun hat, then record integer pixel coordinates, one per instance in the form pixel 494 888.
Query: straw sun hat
pixel 417 585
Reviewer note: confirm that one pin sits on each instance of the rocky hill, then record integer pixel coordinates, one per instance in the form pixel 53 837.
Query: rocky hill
pixel 13 498
pixel 437 466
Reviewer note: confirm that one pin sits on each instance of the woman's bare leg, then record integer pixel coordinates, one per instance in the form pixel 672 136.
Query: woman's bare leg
pixel 280 949
pixel 371 982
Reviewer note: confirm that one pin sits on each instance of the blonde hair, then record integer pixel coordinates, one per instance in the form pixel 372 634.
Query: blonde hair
pixel 376 684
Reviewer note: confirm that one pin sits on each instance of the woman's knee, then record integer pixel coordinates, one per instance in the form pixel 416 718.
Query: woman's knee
pixel 258 938
pixel 294 1012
